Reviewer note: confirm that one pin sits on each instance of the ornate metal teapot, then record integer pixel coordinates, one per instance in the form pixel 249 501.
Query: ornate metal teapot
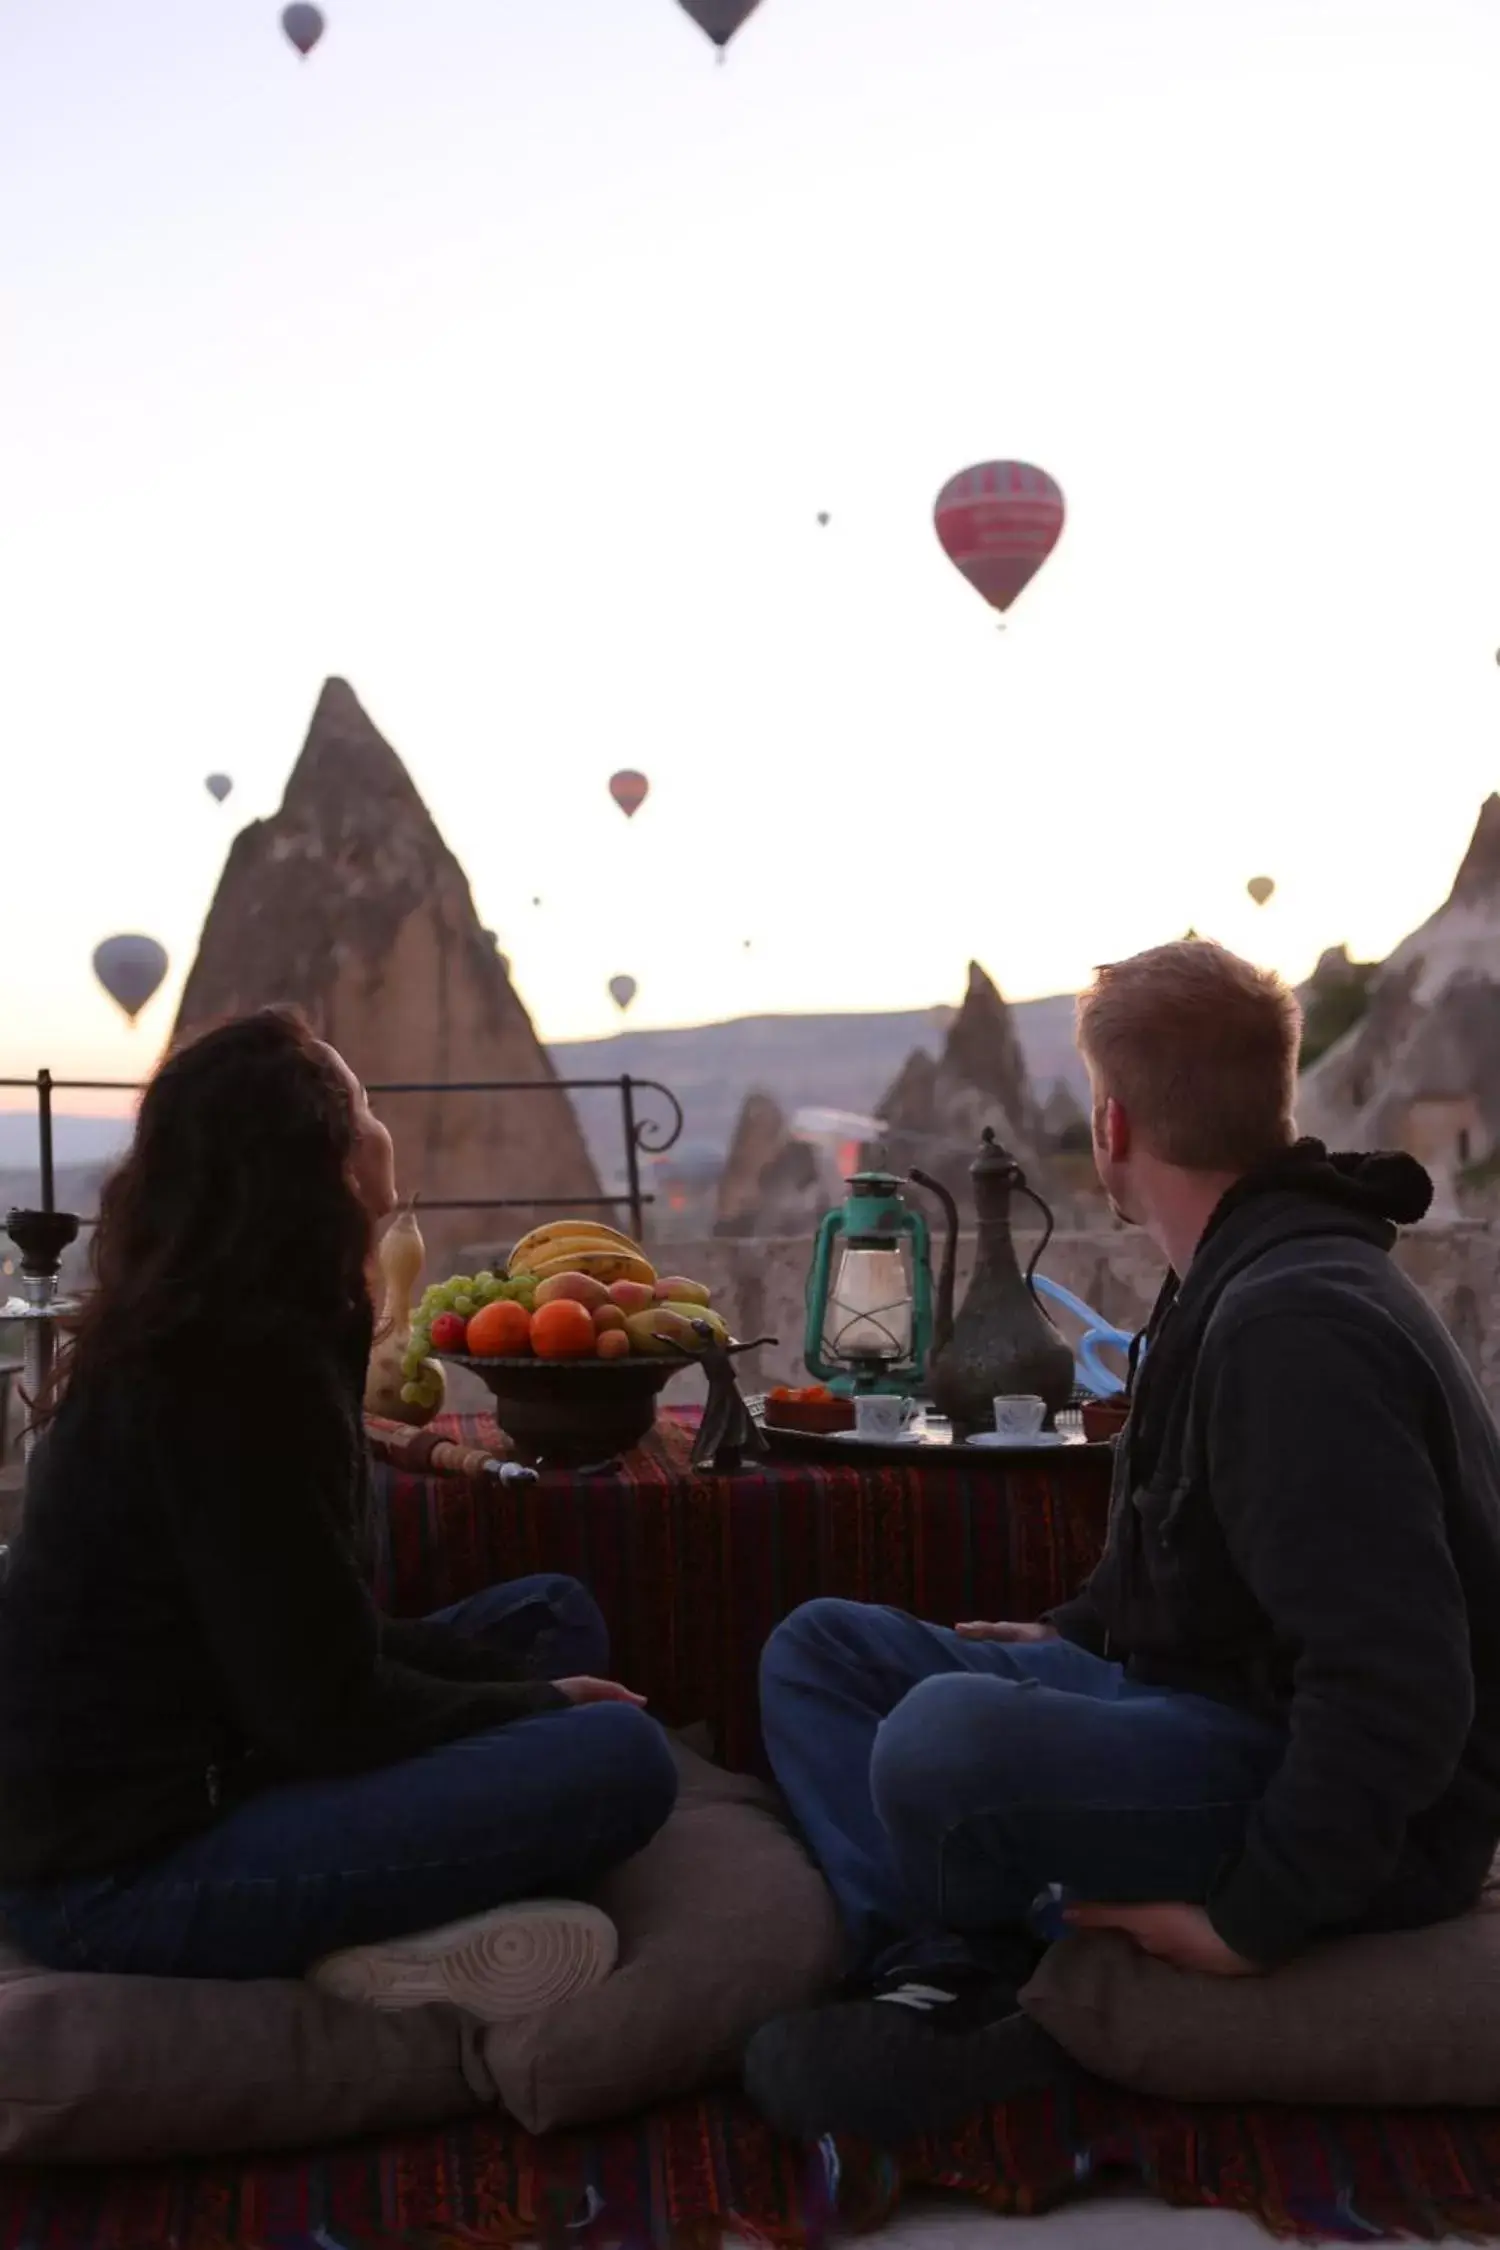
pixel 1001 1340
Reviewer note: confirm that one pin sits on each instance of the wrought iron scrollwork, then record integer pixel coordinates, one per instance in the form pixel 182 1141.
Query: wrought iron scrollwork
pixel 647 1127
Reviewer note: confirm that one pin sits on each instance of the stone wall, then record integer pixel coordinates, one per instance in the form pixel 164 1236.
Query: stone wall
pixel 758 1284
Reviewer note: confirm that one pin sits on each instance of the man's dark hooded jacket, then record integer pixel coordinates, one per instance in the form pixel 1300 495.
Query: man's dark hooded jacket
pixel 1306 1522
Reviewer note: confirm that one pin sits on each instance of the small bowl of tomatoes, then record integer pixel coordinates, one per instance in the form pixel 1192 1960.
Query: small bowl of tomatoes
pixel 815 1411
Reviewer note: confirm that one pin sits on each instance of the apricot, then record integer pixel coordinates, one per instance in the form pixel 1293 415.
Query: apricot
pixel 608 1319
pixel 632 1296
pixel 613 1343
pixel 573 1289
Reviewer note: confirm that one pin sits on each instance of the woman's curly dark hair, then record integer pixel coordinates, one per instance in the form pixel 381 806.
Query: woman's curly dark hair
pixel 234 1213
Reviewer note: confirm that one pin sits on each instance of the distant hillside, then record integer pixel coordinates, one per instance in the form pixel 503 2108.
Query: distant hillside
pixel 829 1062
pixel 75 1140
pixel 826 1062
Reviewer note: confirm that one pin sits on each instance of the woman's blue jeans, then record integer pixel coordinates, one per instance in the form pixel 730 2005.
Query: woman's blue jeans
pixel 541 1807
pixel 951 1790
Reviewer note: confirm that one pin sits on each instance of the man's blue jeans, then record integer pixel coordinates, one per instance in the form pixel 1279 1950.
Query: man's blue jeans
pixel 944 1786
pixel 543 1806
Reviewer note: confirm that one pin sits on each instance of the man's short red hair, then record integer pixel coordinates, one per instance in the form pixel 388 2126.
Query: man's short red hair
pixel 1200 1050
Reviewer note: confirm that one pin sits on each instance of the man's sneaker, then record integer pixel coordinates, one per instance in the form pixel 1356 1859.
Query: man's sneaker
pixel 921 2054
pixel 512 1961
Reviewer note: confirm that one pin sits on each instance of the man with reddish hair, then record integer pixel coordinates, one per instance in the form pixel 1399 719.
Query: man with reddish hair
pixel 1273 1713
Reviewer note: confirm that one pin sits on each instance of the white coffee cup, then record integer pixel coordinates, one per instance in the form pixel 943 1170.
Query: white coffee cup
pixel 876 1416
pixel 1019 1416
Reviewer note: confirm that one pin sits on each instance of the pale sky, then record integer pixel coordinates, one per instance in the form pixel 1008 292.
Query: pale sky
pixel 501 357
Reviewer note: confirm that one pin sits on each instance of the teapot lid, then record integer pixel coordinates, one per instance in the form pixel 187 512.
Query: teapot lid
pixel 995 1163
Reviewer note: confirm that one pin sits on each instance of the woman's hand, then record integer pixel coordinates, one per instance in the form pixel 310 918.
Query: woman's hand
pixel 586 1690
pixel 1030 1634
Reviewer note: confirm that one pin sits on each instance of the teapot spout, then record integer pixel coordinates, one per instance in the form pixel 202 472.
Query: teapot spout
pixel 942 1321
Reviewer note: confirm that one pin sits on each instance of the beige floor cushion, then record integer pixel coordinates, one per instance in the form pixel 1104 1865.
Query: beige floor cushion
pixel 1406 2021
pixel 723 1921
pixel 94 2069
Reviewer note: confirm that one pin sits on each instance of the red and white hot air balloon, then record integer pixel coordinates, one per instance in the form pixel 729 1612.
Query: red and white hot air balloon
pixel 998 523
pixel 630 791
pixel 304 25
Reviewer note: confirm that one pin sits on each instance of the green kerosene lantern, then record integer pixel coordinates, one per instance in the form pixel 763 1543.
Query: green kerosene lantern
pixel 869 1292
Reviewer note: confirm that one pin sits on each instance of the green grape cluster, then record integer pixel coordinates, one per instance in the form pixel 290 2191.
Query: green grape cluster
pixel 464 1294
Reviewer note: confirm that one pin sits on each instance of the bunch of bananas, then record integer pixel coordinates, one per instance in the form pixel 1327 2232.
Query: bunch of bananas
pixel 579 1246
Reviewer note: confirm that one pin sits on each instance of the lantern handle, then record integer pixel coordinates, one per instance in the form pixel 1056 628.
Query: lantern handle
pixel 942 1323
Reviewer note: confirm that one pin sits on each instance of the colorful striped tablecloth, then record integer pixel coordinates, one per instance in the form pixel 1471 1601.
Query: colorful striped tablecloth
pixel 693 1571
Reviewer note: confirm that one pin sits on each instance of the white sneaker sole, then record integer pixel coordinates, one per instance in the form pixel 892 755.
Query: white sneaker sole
pixel 512 1961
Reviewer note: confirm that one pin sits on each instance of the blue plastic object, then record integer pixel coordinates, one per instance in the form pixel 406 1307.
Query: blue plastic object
pixel 1093 1374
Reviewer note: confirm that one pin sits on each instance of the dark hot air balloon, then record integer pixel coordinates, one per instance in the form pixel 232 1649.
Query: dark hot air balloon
pixel 130 968
pixel 218 786
pixel 630 791
pixel 824 519
pixel 721 19
pixel 1260 888
pixel 304 25
pixel 622 991
pixel 998 524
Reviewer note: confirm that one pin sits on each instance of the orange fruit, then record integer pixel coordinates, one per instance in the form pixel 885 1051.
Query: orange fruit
pixel 613 1343
pixel 562 1330
pixel 500 1331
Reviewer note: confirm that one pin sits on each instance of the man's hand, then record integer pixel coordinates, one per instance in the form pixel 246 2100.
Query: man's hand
pixel 586 1690
pixel 1178 1933
pixel 977 1630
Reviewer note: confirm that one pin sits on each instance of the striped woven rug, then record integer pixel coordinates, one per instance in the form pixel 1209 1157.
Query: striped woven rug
pixel 684 2177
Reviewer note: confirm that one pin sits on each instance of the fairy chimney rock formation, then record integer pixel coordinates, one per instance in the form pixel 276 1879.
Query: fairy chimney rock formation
pixel 771 1183
pixel 348 903
pixel 1419 1065
pixel 936 1111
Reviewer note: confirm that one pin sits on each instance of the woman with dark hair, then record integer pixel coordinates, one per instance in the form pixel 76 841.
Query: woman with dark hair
pixel 216 1758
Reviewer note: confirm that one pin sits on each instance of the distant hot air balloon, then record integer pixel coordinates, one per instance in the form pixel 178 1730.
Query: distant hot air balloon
pixel 622 991
pixel 998 524
pixel 824 519
pixel 218 786
pixel 721 19
pixel 304 25
pixel 130 969
pixel 630 791
pixel 1260 888
pixel 536 902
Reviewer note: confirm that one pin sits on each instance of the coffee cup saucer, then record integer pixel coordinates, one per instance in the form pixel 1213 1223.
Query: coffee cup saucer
pixel 1017 1442
pixel 877 1437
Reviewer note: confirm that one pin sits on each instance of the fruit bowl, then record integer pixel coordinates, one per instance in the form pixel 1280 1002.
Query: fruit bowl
pixel 564 1412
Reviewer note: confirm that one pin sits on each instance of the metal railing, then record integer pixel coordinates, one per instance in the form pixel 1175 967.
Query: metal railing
pixel 642 1135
